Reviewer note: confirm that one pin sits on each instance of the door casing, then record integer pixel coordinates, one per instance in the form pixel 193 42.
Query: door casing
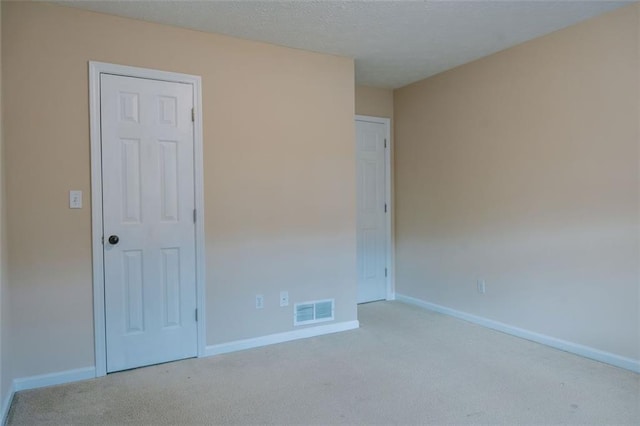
pixel 95 69
pixel 390 234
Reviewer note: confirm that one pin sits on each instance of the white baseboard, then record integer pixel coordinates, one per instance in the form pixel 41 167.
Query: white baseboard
pixel 58 378
pixel 6 404
pixel 575 348
pixel 42 380
pixel 287 336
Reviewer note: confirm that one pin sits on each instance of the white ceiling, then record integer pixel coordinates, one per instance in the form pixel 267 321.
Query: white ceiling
pixel 394 43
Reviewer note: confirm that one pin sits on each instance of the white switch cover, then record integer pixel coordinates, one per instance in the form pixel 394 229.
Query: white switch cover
pixel 75 199
pixel 284 298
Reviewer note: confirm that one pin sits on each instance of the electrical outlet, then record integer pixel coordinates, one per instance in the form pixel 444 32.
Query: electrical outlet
pixel 284 298
pixel 259 301
pixel 481 286
pixel 75 199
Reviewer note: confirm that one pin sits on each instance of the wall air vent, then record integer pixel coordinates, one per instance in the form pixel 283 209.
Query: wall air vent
pixel 312 312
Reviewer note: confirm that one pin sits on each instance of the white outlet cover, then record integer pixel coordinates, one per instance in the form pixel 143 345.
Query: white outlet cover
pixel 481 287
pixel 259 301
pixel 75 199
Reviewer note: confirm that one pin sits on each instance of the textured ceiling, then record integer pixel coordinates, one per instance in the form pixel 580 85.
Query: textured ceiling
pixel 394 43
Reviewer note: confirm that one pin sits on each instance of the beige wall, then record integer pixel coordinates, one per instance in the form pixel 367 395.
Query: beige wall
pixel 279 175
pixel 522 169
pixel 374 101
pixel 5 377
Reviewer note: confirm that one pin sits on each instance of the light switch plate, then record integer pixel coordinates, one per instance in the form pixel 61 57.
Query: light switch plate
pixel 284 298
pixel 75 199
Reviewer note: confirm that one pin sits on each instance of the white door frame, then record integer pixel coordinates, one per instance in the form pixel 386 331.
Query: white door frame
pixel 95 69
pixel 390 232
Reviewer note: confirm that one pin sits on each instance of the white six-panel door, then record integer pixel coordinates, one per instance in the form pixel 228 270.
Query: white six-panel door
pixel 371 211
pixel 147 141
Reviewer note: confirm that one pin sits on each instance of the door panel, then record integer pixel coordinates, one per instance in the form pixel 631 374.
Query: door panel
pixel 371 216
pixel 169 180
pixel 171 286
pixel 131 199
pixel 148 202
pixel 132 280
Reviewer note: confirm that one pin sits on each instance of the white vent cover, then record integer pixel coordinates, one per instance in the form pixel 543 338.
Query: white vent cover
pixel 312 312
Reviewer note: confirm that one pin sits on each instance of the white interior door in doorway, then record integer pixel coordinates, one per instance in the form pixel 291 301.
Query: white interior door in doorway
pixel 373 208
pixel 147 137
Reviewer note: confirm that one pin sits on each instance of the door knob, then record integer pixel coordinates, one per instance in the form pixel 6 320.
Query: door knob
pixel 114 239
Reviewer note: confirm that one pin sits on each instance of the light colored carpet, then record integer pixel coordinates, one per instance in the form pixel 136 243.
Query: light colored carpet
pixel 403 366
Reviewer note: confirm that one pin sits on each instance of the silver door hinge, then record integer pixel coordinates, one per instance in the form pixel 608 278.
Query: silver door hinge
pixel 385 207
pixel 196 315
pixel 385 143
pixel 385 272
pixel 193 114
pixel 194 215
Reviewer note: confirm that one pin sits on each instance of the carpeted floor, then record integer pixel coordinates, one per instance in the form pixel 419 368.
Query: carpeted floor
pixel 403 366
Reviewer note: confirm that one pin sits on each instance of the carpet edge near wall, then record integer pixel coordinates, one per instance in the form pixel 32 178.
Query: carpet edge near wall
pixel 571 347
pixel 6 405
